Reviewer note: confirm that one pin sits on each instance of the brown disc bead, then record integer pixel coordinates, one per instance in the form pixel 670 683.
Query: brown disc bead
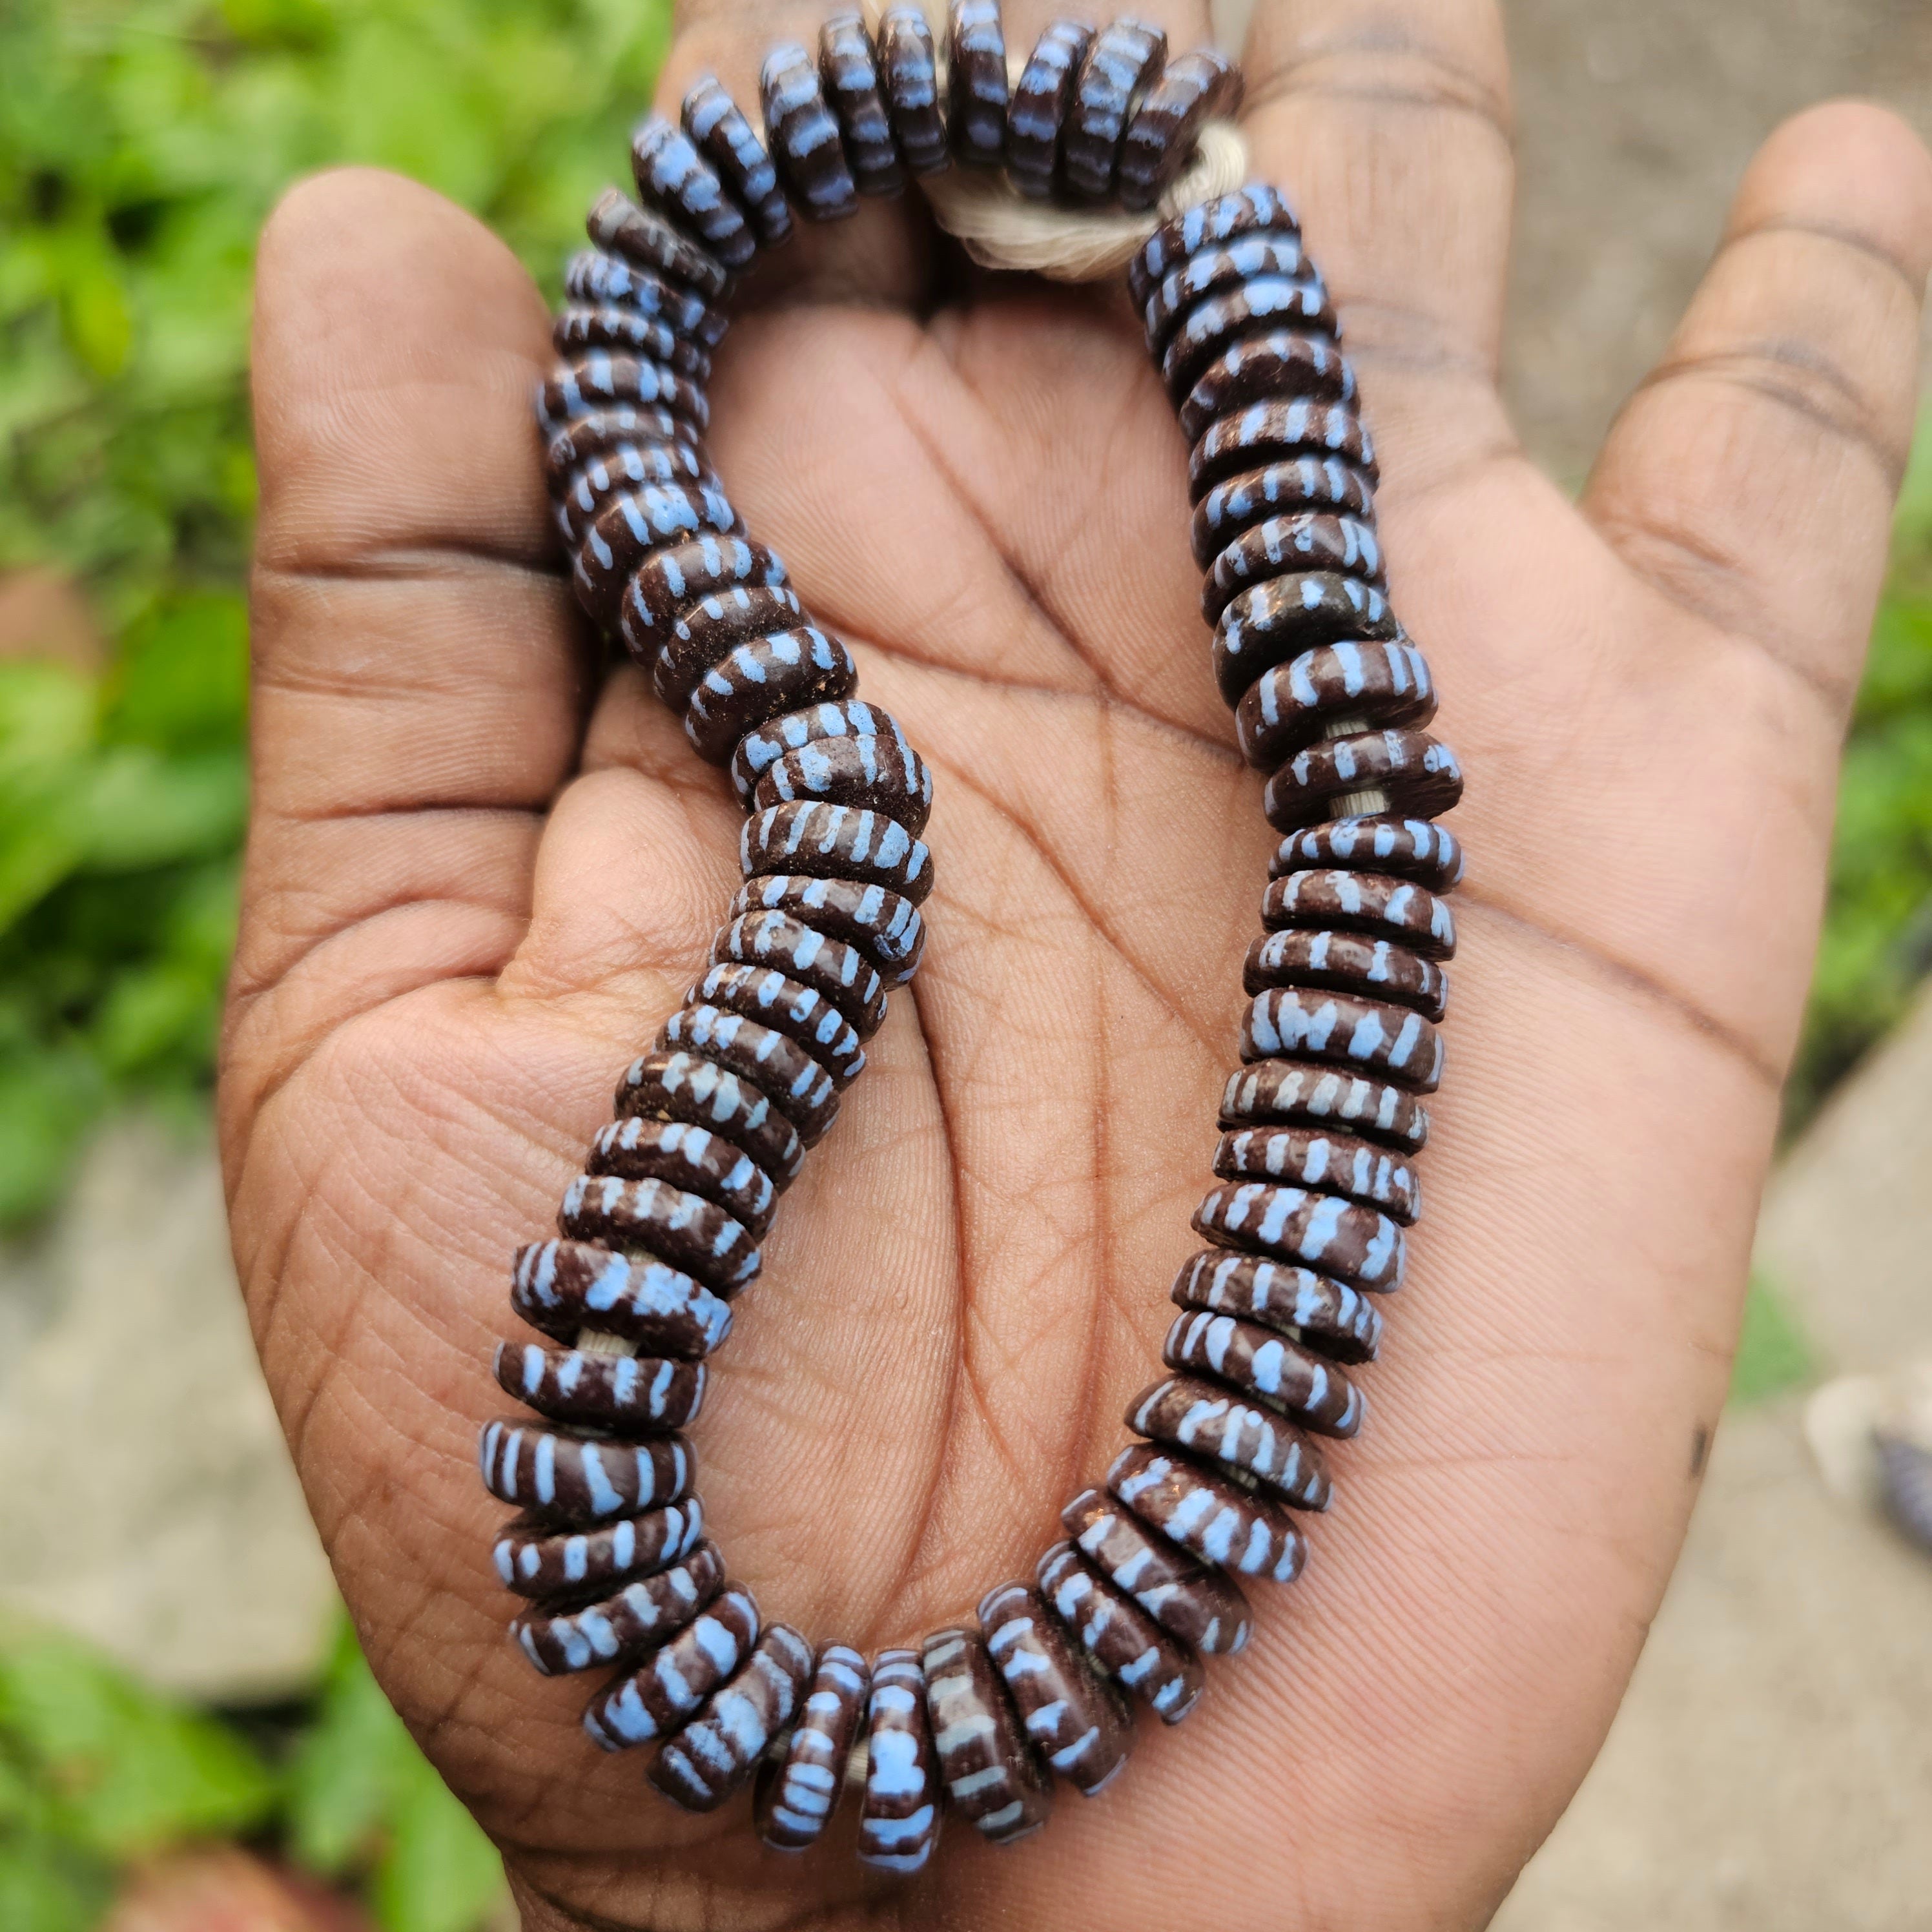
pixel 691 1158
pixel 1124 61
pixel 670 585
pixel 851 81
pixel 836 842
pixel 643 1614
pixel 1124 1642
pixel 976 83
pixel 1275 622
pixel 645 240
pixel 594 277
pixel 1213 1516
pixel 764 994
pixel 558 1475
pixel 879 774
pixel 539 1562
pixel 798 1087
pixel 830 966
pixel 1196 88
pixel 588 490
pixel 804 135
pixel 1331 1317
pixel 908 69
pixel 1287 1091
pixel 1413 774
pixel 1266 1368
pixel 605 432
pixel 1313 1158
pixel 638 1394
pixel 1285 546
pixel 886 928
pixel 663 1221
pixel 1206 1420
pixel 1368 902
pixel 1361 1245
pixel 1347 963
pixel 1246 209
pixel 1383 684
pixel 720 132
pixel 1277 367
pixel 719 1749
pixel 1185 1597
pixel 631 527
pixel 1265 433
pixel 613 326
pixel 1214 271
pixel 1276 489
pixel 588 382
pixel 686 1087
pixel 798 1793
pixel 1075 1721
pixel 892 768
pixel 655 1699
pixel 987 1767
pixel 1299 303
pixel 1411 848
pixel 563 1288
pixel 899 1821
pixel 761 678
pixel 672 177
pixel 1042 99
pixel 704 630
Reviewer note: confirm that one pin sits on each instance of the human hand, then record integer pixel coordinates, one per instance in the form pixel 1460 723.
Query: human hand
pixel 482 870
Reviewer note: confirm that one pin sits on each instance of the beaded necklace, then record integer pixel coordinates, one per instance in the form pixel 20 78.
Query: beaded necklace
pixel 1319 1126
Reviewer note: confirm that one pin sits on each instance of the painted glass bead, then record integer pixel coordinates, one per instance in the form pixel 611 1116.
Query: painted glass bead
pixel 1123 62
pixel 564 1287
pixel 614 325
pixel 1287 1090
pixel 1276 489
pixel 654 1700
pixel 1373 685
pixel 688 1157
pixel 1187 1597
pixel 886 928
pixel 672 584
pixel 645 240
pixel 592 276
pixel 641 1393
pixel 1208 1420
pixel 1042 98
pixel 798 1087
pixel 879 774
pixel 655 1218
pixel 588 490
pixel 1211 1516
pixel 830 966
pixel 836 842
pixel 1270 623
pixel 1309 540
pixel 764 994
pixel 605 432
pixel 719 130
pixel 702 631
pixel 976 82
pixel 1124 1642
pixel 804 136
pixel 1281 366
pixel 1312 1157
pixel 1266 1368
pixel 898 1822
pixel 1299 303
pixel 1411 848
pixel 1075 1721
pixel 686 1087
pixel 1358 1245
pixel 629 529
pixel 1349 963
pixel 850 81
pixel 908 72
pixel 986 1765
pixel 1408 773
pixel 1196 88
pixel 537 1562
pixel 1256 206
pixel 675 178
pixel 1265 433
pixel 764 747
pixel 1330 1316
pixel 1215 272
pixel 642 1615
pixel 798 1794
pixel 1368 902
pixel 554 1474
pixel 761 678
pixel 714 1754
pixel 585 383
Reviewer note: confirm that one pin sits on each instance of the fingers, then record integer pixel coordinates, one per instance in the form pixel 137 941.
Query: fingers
pixel 418 678
pixel 1751 478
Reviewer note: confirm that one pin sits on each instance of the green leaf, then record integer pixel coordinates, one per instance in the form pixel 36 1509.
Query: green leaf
pixel 438 1873
pixel 1773 1354
pixel 50 1096
pixel 139 809
pixel 181 682
pixel 47 1887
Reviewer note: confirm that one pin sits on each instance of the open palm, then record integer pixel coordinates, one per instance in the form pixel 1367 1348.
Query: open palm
pixel 484 867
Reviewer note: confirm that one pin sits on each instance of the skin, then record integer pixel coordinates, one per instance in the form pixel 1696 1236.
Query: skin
pixel 485 864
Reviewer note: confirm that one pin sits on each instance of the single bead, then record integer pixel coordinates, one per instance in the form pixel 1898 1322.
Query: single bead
pixel 1410 773
pixel 851 84
pixel 1312 1158
pixel 1042 98
pixel 537 1562
pixel 685 1086
pixel 1378 685
pixel 657 1219
pixel 804 136
pixel 909 73
pixel 728 140
pixel 1347 963
pixel 1213 1516
pixel 1299 303
pixel 1411 848
pixel 605 432
pixel 798 1792
pixel 655 1699
pixel 1207 1420
pixel 646 241
pixel 1357 1245
pixel 976 83
pixel 1125 1643
pixel 588 490
pixel 1367 902
pixel 836 842
pixel 1281 366
pixel 1123 62
pixel 798 1087
pixel 1283 546
pixel 703 630
pixel 612 325
pixel 1286 1090
pixel 878 774
pixel 763 747
pixel 675 178
pixel 886 928
pixel 1182 1595
pixel 761 678
pixel 1075 1720
pixel 1256 206
pixel 1367 1036
pixel 564 1287
pixel 764 994
pixel 719 1749
pixel 1277 621
pixel 1329 1315
pixel 634 1619
pixel 641 1393
pixel 670 585
pixel 988 1767
pixel 582 386
pixel 689 1157
pixel 1265 433
pixel 1266 1368
pixel 556 1475
pixel 1215 272
pixel 1198 87
pixel 592 276
pixel 1276 489
pixel 830 966
pixel 899 1823
pixel 629 529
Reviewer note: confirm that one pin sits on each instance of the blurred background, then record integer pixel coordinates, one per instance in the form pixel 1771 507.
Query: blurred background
pixel 188 1738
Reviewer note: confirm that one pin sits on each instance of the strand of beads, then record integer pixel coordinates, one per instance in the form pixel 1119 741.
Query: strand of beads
pixel 661 1231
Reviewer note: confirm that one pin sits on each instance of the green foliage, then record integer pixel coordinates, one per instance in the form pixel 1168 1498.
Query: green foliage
pixel 1773 1354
